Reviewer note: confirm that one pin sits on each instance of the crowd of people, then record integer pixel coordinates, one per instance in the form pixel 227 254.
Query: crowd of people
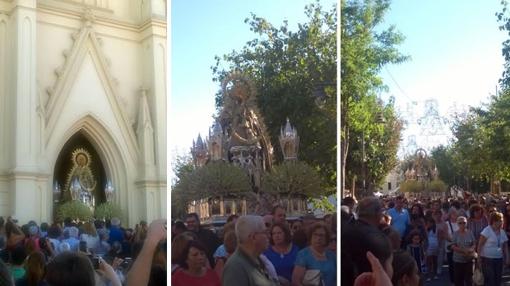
pixel 407 241
pixel 253 250
pixel 82 253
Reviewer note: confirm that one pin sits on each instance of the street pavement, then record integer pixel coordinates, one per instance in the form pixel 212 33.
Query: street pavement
pixel 444 279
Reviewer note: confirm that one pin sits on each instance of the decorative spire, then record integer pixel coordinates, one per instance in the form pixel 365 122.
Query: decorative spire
pixel 289 141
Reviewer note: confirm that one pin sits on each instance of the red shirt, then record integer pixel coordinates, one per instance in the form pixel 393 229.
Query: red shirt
pixel 181 278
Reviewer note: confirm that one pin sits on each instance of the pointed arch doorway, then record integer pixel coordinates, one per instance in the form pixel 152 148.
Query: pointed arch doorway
pixel 79 163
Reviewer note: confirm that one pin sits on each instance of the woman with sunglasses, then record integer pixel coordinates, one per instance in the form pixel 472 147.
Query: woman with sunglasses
pixel 463 253
pixel 493 248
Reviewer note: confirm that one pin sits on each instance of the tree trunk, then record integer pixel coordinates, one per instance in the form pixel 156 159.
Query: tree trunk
pixel 344 149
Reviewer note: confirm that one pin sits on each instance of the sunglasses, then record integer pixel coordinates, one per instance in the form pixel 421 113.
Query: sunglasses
pixel 461 222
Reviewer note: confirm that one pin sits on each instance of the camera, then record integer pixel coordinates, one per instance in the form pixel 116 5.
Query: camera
pixel 95 261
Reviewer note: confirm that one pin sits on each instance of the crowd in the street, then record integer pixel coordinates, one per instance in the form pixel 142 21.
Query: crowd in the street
pixel 86 253
pixel 408 240
pixel 255 250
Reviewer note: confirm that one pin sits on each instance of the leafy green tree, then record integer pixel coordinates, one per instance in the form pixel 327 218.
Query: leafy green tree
pixel 443 157
pixel 437 186
pixel 182 167
pixel 74 210
pixel 365 49
pixel 107 211
pixel 291 178
pixel 213 180
pixel 295 76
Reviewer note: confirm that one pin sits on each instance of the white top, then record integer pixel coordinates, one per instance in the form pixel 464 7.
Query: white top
pixel 455 227
pixel 493 247
pixel 92 241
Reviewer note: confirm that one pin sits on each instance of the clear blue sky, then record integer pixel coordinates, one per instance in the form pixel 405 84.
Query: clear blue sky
pixel 455 49
pixel 199 31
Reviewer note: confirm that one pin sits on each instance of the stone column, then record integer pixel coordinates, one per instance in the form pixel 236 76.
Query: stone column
pixel 26 177
pixel 154 54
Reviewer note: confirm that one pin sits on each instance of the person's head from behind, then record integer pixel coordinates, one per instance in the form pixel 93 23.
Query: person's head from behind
pixel 179 245
pixel 35 268
pixel 405 270
pixel 194 256
pixel 394 237
pixel 178 228
pixel 232 218
pixel 192 222
pixel 115 222
pixel 370 210
pixel 90 229
pixel 18 255
pixel 10 229
pixel 70 269
pixel 252 233
pixel 230 241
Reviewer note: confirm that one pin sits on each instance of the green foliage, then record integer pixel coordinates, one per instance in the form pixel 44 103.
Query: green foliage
pixel 212 180
pixel 293 178
pixel 444 161
pixel 74 210
pixel 364 52
pixel 323 204
pixel 182 167
pixel 437 186
pixel 411 186
pixel 288 68
pixel 107 211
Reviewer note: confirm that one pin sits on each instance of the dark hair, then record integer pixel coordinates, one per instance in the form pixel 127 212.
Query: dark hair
pixel 300 238
pixel 413 234
pixel 54 231
pixel 433 222
pixel 474 208
pixel 180 225
pixel 348 201
pixel 70 269
pixel 194 215
pixel 44 226
pixel 157 276
pixel 286 232
pixel 18 255
pixel 184 255
pixel 232 217
pixel 403 264
pixel 316 226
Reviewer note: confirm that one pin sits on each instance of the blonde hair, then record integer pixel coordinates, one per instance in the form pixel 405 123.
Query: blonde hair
pixel 89 229
pixel 495 216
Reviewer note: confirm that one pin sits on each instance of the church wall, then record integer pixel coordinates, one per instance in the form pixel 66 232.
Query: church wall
pixel 4 123
pixel 118 25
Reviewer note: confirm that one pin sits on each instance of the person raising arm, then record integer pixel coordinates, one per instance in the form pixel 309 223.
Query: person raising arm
pixel 141 269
